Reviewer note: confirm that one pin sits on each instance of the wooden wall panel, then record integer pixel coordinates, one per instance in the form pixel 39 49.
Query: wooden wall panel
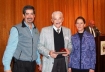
pixel 97 13
pixel 90 10
pixel 11 14
pixel 102 23
pixel 83 9
pixel 71 13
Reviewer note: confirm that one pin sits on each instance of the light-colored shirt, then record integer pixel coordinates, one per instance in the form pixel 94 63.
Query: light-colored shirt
pixel 57 28
pixel 92 31
pixel 11 47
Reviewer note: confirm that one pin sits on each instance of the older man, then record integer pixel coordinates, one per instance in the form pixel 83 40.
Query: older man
pixel 52 40
pixel 91 28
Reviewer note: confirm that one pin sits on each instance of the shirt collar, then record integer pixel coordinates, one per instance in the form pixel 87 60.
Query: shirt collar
pixel 57 28
pixel 28 25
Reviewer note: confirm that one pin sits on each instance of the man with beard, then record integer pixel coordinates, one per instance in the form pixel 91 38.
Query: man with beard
pixel 53 39
pixel 22 45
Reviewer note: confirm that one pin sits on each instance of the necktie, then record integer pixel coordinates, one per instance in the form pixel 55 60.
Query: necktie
pixel 58 31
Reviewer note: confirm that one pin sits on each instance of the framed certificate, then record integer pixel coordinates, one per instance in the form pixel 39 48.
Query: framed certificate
pixel 102 47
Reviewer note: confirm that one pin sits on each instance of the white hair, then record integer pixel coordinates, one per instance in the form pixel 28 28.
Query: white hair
pixel 57 12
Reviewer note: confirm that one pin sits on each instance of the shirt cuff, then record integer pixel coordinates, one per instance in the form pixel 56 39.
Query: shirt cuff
pixel 7 67
pixel 38 63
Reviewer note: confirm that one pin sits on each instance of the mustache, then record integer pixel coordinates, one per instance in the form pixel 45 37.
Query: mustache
pixel 29 18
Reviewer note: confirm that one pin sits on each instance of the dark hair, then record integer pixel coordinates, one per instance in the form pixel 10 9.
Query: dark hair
pixel 28 7
pixel 80 17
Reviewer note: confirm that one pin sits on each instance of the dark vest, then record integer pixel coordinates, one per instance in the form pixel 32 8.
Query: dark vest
pixel 27 44
pixel 58 42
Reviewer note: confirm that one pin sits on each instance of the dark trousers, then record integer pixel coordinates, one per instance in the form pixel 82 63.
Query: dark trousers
pixel 59 65
pixel 79 70
pixel 23 66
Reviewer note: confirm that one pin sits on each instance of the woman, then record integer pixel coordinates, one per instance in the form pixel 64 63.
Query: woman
pixel 83 55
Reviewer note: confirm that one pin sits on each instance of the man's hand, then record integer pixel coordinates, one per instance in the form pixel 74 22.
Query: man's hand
pixel 40 67
pixel 8 71
pixel 69 69
pixel 67 52
pixel 52 54
pixel 91 70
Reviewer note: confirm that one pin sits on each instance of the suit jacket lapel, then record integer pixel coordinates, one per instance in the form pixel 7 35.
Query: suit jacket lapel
pixel 52 38
pixel 64 35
